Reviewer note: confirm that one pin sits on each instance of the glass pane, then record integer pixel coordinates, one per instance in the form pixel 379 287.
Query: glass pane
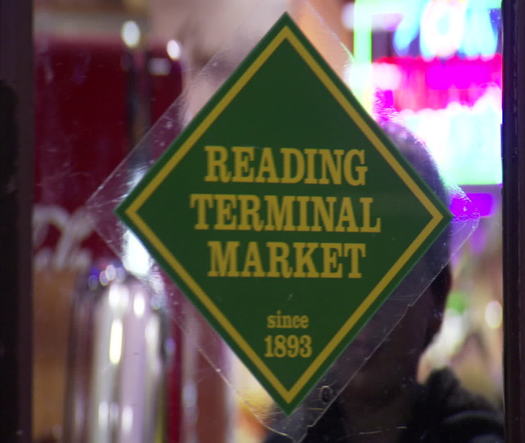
pixel 111 364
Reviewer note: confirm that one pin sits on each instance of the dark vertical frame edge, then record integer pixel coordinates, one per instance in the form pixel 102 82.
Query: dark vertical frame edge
pixel 16 197
pixel 513 137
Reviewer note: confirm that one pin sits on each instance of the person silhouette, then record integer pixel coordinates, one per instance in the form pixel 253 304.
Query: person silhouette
pixel 384 403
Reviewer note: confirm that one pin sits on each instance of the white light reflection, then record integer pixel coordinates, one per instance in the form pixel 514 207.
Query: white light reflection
pixel 173 49
pixel 387 76
pixel 102 278
pixel 453 330
pixel 111 273
pixel 139 305
pixel 118 296
pixel 114 296
pixel 115 342
pixel 152 332
pixel 189 396
pixel 130 34
pixel 448 340
pixel 494 314
pixel 127 419
pixel 136 259
pixel 347 16
pixel 103 415
pixel 159 66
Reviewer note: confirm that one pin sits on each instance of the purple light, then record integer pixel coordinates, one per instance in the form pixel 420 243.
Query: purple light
pixel 484 202
pixel 477 204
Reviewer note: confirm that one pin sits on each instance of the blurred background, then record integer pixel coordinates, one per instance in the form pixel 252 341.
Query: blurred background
pixel 108 363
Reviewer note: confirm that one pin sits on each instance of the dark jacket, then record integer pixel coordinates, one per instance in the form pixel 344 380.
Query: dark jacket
pixel 443 412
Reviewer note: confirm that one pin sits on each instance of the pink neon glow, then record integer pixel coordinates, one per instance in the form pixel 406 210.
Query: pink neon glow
pixel 433 84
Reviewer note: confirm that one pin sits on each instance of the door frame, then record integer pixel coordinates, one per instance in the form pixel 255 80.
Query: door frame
pixel 16 178
pixel 16 190
pixel 513 153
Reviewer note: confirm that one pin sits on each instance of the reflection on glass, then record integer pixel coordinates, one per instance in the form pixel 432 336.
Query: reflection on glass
pixel 106 70
pixel 120 356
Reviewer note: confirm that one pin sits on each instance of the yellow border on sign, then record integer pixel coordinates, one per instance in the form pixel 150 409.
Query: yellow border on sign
pixel 132 212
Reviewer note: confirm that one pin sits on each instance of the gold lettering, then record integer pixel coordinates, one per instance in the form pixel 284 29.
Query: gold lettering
pixel 202 201
pixel 366 203
pixel 332 165
pixel 267 167
pixel 225 219
pixel 356 250
pixel 287 321
pixel 303 225
pixel 279 217
pixel 331 266
pixel 249 206
pixel 223 261
pixel 355 176
pixel 310 166
pixel 321 212
pixel 304 258
pixel 242 156
pixel 279 252
pixel 287 154
pixel 252 263
pixel 216 162
pixel 346 217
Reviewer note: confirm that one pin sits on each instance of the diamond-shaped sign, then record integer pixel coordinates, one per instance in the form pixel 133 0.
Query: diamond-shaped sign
pixel 285 214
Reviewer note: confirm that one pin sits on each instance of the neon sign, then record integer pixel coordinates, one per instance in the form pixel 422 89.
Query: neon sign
pixel 464 141
pixel 454 107
pixel 447 27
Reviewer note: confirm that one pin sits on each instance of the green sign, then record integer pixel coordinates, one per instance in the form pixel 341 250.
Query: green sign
pixel 284 214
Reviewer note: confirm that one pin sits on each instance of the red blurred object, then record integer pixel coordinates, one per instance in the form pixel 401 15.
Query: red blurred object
pixel 80 126
pixel 85 109
pixel 93 98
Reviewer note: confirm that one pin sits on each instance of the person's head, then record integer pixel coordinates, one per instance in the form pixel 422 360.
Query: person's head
pixel 439 253
pixel 394 364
